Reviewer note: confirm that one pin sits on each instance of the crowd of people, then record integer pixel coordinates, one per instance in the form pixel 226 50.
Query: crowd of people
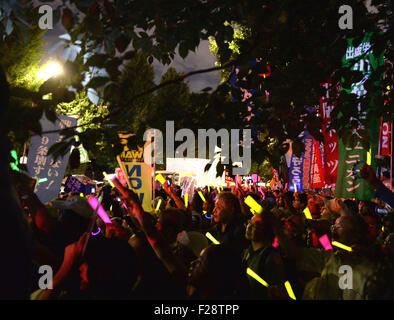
pixel 203 249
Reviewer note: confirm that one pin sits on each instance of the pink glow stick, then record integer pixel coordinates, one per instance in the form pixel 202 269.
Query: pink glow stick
pixel 262 192
pixel 275 244
pixel 325 242
pixel 93 201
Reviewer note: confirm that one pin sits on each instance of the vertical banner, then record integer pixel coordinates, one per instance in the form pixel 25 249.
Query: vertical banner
pixel 138 175
pixel 40 165
pixel 385 139
pixel 330 145
pixel 317 172
pixel 348 184
pixel 307 158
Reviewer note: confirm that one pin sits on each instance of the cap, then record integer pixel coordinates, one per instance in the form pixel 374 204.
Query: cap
pixel 77 204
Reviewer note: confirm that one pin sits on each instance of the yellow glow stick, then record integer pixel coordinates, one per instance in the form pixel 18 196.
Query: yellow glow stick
pixel 340 245
pixel 160 178
pixel 256 277
pixel 201 196
pixel 249 201
pixel 81 195
pixel 210 237
pixel 108 179
pixel 290 290
pixel 369 157
pixel 307 213
pixel 295 187
pixel 158 205
pixel 186 197
pixel 209 189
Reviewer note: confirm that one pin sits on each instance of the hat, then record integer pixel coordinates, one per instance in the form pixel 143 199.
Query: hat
pixel 193 240
pixel 77 204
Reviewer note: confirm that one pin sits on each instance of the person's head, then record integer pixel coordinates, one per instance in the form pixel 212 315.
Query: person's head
pixel 294 226
pixel 110 268
pixel 217 274
pixel 350 230
pixel 374 226
pixel 259 229
pixel 314 207
pixel 388 245
pixel 227 208
pixel 300 201
pixel 366 208
pixel 171 221
pixel 388 222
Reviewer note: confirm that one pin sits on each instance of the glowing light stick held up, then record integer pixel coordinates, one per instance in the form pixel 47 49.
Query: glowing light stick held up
pixel 158 205
pixel 249 201
pixel 325 242
pixel 290 290
pixel 307 213
pixel 108 179
pixel 255 276
pixel 201 196
pixel 186 198
pixel 342 246
pixel 160 178
pixel 369 157
pixel 211 237
pixel 94 203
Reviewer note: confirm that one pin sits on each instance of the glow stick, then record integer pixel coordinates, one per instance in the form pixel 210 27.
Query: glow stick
pixel 81 195
pixel 342 246
pixel 262 192
pixel 253 204
pixel 286 186
pixel 95 234
pixel 210 237
pixel 275 244
pixel 325 242
pixel 289 290
pixel 108 179
pixel 307 213
pixel 369 157
pixel 158 205
pixel 295 187
pixel 42 180
pixel 201 196
pixel 209 189
pixel 101 212
pixel 160 178
pixel 186 198
pixel 256 277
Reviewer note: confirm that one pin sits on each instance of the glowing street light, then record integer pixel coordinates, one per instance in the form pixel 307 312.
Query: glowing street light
pixel 49 70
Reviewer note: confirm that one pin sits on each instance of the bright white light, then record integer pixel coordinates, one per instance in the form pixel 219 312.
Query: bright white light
pixel 49 70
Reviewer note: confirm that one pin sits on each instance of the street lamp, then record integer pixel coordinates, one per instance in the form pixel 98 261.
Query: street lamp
pixel 49 70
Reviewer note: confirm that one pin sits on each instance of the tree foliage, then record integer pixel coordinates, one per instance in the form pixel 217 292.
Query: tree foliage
pixel 299 40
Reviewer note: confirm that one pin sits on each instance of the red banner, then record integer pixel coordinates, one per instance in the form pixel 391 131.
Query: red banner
pixel 330 140
pixel 317 173
pixel 385 139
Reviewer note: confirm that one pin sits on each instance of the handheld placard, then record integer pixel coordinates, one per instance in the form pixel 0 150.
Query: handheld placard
pixel 249 201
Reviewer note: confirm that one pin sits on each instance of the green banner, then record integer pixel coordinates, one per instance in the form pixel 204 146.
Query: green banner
pixel 348 185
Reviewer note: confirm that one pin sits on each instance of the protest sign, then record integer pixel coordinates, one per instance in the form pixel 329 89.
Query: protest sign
pixel 41 166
